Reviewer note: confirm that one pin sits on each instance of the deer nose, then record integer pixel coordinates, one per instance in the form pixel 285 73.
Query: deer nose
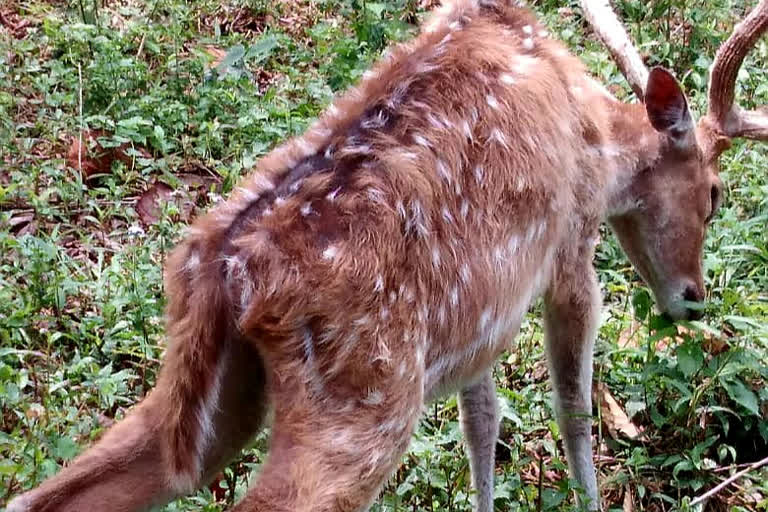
pixel 693 294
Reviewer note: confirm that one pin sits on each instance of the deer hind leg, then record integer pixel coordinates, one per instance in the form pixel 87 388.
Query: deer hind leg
pixel 329 454
pixel 480 423
pixel 571 318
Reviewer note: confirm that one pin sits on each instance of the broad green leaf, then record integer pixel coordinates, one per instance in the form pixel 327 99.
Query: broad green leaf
pixel 742 395
pixel 689 358
pixel 65 448
pixel 376 8
pixel 262 49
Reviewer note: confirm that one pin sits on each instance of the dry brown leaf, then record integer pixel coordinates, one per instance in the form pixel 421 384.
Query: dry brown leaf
pixel 91 158
pixel 628 504
pixel 628 337
pixel 216 53
pixel 151 201
pixel 614 418
pixel 711 344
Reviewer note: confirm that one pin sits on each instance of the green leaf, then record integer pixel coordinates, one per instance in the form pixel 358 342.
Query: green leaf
pixel 65 448
pixel 376 8
pixel 641 302
pixel 742 395
pixel 262 49
pixel 689 358
pixel 231 61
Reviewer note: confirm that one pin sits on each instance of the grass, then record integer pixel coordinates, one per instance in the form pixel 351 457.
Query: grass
pixel 186 96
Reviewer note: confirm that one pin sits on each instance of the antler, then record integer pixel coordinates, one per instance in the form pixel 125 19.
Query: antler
pixel 723 113
pixel 611 32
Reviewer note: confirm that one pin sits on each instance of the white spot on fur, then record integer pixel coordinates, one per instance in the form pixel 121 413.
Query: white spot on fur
pixel 466 129
pixel 296 185
pixel 330 252
pixel 435 122
pixel 485 317
pixel 435 257
pixel 357 149
pixel 447 215
pixel 464 273
pixel 442 170
pixel 507 78
pixel 454 296
pixel 332 194
pixel 379 284
pixel 522 64
pixel 528 43
pixel 305 147
pixel 375 397
pixel 479 172
pixel 421 140
pixel 306 209
pixel 499 137
pixel 441 315
pixel 527 29
pixel 513 243
pixel 247 194
pixel 492 102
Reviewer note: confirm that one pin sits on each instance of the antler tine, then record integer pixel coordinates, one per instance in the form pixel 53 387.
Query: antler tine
pixel 727 116
pixel 611 32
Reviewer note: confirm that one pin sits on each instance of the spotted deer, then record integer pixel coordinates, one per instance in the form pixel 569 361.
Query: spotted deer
pixel 387 256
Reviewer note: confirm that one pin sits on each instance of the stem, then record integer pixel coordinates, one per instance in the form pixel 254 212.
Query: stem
pixel 729 481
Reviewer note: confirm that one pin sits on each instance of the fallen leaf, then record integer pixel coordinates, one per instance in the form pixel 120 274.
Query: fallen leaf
pixel 614 418
pixel 216 53
pixel 628 337
pixel 628 504
pixel 151 202
pixel 89 157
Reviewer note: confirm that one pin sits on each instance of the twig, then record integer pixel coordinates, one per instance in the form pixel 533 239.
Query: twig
pixel 80 110
pixel 728 481
pixel 141 45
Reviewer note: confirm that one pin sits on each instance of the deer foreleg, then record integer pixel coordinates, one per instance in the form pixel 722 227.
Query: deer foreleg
pixel 480 423
pixel 572 311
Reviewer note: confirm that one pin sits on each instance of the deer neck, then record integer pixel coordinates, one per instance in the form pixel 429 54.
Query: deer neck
pixel 636 146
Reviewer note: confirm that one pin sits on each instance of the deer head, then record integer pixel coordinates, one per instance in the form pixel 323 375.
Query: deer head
pixel 675 197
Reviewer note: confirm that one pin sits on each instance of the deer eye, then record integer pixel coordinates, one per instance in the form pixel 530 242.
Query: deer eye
pixel 714 198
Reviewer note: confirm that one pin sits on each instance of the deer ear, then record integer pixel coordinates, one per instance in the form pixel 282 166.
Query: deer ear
pixel 666 105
